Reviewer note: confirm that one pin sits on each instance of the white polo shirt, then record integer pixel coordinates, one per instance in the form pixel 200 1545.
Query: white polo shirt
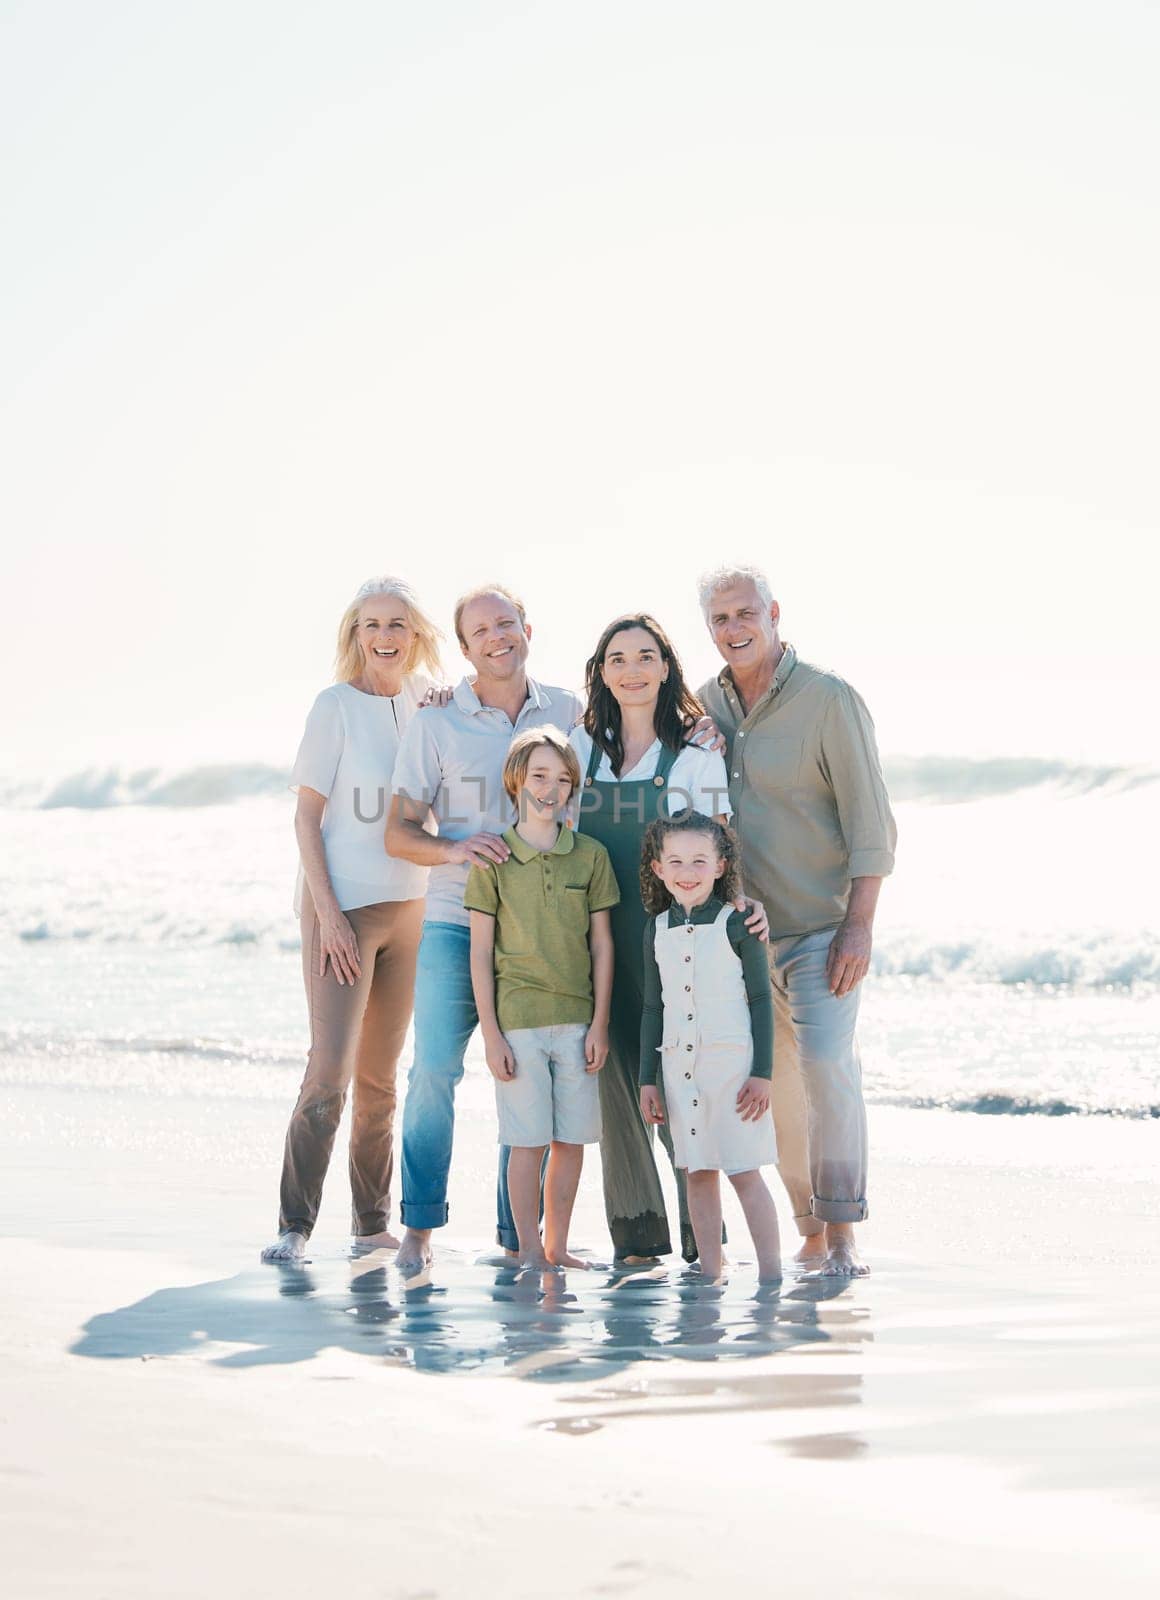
pixel 452 759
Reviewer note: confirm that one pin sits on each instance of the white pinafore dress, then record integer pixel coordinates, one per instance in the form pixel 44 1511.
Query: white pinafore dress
pixel 707 1053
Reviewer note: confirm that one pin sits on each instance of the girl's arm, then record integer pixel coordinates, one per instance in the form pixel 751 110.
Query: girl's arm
pixel 652 1028
pixel 753 1101
pixel 500 1061
pixel 336 938
pixel 600 944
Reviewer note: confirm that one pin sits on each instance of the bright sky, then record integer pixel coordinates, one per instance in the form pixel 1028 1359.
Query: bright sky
pixel 586 297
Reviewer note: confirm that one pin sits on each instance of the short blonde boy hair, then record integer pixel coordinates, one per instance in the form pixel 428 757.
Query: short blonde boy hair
pixel 523 747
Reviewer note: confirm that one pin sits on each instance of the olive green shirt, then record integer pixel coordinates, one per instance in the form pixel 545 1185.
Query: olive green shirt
pixel 809 802
pixel 542 902
pixel 754 969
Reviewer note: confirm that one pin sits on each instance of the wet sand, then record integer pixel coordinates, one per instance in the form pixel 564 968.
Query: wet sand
pixel 977 1418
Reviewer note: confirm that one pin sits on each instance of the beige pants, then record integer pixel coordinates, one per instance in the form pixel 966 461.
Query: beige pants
pixel 819 1114
pixel 356 1034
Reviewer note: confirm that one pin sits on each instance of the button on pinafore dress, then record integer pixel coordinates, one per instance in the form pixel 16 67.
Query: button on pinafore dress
pixel 707 1051
pixel 617 815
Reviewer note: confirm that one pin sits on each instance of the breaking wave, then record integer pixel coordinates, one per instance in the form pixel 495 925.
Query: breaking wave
pixel 932 779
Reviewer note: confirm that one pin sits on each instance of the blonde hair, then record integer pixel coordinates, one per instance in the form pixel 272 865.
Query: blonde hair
pixel 477 594
pixel 523 747
pixel 424 651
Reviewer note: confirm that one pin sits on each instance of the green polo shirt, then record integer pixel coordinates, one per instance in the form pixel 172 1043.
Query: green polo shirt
pixel 542 902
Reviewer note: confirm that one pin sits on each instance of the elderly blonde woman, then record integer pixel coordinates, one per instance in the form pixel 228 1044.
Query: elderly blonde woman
pixel 361 911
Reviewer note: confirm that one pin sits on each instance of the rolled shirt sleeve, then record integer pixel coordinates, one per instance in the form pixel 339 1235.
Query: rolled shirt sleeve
pixel 849 756
pixel 320 751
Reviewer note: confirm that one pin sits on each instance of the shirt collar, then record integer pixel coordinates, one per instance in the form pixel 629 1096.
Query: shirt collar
pixel 468 701
pixel 525 852
pixel 784 667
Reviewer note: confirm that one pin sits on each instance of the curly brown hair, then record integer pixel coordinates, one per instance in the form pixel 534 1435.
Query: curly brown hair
pixel 677 706
pixel 652 891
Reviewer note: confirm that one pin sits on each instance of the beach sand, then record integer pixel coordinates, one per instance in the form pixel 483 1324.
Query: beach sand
pixel 979 1417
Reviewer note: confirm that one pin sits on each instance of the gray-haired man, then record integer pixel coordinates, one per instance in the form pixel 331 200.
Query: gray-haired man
pixel 817 838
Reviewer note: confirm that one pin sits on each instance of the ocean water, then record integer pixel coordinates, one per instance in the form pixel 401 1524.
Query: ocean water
pixel 147 939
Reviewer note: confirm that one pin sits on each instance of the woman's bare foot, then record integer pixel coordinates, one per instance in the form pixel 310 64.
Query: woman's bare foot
pixel 638 1261
pixel 415 1253
pixel 812 1251
pixel 842 1259
pixel 363 1242
pixel 287 1247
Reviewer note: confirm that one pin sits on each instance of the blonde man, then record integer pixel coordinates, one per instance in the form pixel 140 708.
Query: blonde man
pixel 449 777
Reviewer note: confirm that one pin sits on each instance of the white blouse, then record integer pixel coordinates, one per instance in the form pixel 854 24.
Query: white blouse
pixel 348 754
pixel 697 777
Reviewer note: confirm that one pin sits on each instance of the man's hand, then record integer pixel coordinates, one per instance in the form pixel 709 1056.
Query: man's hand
pixel 481 850
pixel 501 1063
pixel 706 733
pixel 753 1101
pixel 757 921
pixel 651 1106
pixel 848 960
pixel 596 1047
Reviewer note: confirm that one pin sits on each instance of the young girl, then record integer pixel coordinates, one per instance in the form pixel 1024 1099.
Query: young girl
pixel 707 1031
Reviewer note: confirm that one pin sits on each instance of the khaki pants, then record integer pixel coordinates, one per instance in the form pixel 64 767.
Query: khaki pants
pixel 819 1114
pixel 356 1034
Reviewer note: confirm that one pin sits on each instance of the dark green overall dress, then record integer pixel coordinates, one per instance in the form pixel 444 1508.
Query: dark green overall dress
pixel 617 815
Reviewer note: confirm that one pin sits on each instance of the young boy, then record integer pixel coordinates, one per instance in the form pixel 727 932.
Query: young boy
pixel 541 970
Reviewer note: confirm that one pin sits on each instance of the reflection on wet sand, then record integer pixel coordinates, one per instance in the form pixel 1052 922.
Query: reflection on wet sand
pixel 543 1327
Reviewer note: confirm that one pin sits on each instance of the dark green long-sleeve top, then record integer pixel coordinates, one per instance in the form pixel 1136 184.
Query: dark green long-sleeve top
pixel 755 970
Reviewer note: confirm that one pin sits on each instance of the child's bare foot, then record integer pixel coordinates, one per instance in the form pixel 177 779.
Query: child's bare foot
pixel 415 1253
pixel 842 1258
pixel 813 1250
pixel 287 1247
pixel 565 1258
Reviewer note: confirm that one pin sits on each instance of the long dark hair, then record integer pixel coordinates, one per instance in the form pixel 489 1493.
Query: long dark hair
pixel 677 706
pixel 652 891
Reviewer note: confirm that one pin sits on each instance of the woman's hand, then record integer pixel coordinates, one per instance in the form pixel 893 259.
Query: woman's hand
pixel 756 921
pixel 651 1105
pixel 595 1047
pixel 707 734
pixel 753 1101
pixel 501 1063
pixel 338 945
pixel 437 695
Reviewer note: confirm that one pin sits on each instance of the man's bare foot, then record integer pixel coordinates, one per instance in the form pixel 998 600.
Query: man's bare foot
pixel 362 1242
pixel 287 1247
pixel 842 1259
pixel 415 1253
pixel 812 1251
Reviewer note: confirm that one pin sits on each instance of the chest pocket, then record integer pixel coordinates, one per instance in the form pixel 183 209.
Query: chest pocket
pixel 774 762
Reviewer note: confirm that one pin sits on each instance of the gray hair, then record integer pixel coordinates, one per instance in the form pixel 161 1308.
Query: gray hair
pixel 722 577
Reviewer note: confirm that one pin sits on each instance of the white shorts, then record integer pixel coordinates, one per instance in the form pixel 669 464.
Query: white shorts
pixel 552 1095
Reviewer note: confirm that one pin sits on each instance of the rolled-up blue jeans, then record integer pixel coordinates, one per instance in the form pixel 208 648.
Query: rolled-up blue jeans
pixel 445 1019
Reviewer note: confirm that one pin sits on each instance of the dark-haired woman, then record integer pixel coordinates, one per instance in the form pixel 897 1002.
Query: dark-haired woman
pixel 637 765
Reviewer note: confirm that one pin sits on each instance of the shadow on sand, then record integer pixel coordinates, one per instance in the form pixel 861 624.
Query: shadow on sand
pixel 546 1327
